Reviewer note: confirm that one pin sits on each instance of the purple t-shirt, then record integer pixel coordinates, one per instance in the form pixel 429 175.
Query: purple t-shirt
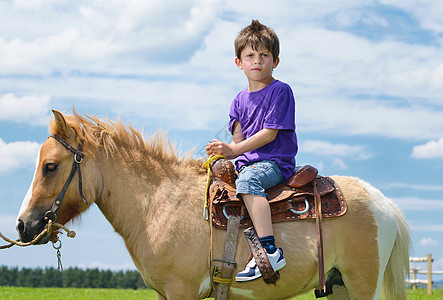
pixel 272 107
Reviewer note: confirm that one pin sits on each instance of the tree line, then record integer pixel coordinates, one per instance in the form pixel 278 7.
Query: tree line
pixel 70 278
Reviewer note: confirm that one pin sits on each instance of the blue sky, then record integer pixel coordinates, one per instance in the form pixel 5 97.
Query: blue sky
pixel 367 76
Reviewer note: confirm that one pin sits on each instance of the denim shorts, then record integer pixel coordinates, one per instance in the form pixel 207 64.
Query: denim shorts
pixel 255 178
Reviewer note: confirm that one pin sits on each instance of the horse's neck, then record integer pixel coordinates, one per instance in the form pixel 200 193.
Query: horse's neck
pixel 151 202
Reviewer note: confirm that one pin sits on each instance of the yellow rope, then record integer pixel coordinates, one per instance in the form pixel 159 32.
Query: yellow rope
pixel 222 280
pixel 207 166
pixel 210 160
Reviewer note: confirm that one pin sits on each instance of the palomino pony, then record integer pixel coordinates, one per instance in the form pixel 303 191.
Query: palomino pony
pixel 154 200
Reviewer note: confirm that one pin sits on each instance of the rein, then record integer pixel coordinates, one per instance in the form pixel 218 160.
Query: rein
pixel 78 158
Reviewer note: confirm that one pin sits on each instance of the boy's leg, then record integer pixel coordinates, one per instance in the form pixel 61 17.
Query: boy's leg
pixel 251 184
pixel 260 213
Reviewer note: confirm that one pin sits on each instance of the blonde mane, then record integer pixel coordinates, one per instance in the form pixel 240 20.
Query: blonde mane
pixel 116 139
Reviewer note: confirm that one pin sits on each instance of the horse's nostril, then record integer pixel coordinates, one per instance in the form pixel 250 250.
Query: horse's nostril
pixel 20 226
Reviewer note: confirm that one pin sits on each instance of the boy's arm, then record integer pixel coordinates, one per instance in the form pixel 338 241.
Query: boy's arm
pixel 261 138
pixel 241 145
pixel 237 135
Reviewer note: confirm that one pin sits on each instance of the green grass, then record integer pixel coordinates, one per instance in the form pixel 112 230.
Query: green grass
pixel 108 294
pixel 419 294
pixel 73 293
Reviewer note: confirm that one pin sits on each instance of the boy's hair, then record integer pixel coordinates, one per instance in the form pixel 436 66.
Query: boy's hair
pixel 255 35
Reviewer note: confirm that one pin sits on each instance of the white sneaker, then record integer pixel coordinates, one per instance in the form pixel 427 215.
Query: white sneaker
pixel 252 272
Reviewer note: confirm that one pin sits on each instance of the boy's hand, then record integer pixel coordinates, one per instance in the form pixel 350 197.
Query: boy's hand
pixel 208 149
pixel 234 149
pixel 220 148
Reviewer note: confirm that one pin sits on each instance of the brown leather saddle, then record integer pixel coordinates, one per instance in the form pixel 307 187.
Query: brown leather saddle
pixel 291 201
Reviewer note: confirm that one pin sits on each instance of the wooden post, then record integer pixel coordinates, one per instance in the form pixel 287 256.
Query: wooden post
pixel 414 277
pixel 429 260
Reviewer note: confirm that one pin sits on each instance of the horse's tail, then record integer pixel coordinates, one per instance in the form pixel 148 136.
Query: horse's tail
pixel 393 284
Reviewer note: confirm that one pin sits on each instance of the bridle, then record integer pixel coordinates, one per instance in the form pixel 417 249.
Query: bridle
pixel 78 158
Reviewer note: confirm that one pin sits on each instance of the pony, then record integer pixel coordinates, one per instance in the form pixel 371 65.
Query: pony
pixel 154 198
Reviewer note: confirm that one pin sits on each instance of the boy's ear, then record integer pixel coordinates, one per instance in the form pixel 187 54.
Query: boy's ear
pixel 275 64
pixel 238 63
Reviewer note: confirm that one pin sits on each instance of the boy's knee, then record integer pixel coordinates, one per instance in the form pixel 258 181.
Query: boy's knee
pixel 250 186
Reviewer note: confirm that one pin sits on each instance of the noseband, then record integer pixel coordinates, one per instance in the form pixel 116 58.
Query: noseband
pixel 78 158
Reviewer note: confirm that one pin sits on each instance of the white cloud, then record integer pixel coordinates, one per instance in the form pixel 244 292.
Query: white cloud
pixel 437 264
pixel 348 116
pixel 33 110
pixel 429 242
pixel 347 63
pixel 417 204
pixel 427 227
pixel 432 149
pixel 355 86
pixel 427 12
pixel 30 4
pixel 342 150
pixel 17 155
pixel 339 163
pixel 134 51
pixel 421 187
pixel 188 105
pixel 94 36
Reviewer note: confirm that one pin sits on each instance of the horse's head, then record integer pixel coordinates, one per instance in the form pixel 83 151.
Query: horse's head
pixel 55 164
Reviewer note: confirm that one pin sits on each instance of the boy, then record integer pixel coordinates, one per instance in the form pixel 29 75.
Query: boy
pixel 262 122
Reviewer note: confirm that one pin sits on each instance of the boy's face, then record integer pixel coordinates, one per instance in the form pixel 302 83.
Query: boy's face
pixel 257 64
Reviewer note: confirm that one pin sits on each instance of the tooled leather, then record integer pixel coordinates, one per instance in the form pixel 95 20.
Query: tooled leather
pixel 270 276
pixel 281 199
pixel 303 176
pixel 224 169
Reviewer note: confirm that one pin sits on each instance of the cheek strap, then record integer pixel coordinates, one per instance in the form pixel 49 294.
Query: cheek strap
pixel 78 158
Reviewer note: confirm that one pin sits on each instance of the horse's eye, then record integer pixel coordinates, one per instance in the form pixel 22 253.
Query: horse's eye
pixel 49 168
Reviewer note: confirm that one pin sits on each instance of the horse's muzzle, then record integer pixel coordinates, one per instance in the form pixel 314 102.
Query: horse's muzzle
pixel 28 230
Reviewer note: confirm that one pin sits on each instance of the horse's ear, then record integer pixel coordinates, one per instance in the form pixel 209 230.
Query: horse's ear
pixel 62 125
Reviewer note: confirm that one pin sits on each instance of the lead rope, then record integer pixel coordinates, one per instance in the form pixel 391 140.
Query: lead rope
pixel 49 228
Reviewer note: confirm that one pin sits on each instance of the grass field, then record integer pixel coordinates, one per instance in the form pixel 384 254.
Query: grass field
pixel 108 294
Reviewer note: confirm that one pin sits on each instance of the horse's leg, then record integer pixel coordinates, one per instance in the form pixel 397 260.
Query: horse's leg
pixel 339 293
pixel 357 261
pixel 356 242
pixel 360 275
